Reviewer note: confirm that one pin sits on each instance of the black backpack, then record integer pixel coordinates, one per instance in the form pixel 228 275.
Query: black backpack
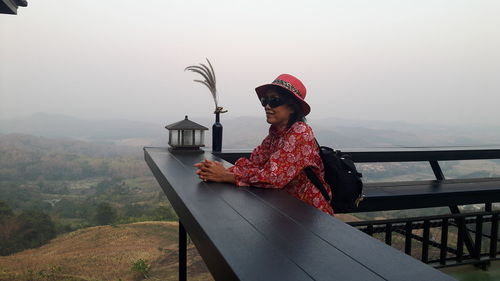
pixel 343 178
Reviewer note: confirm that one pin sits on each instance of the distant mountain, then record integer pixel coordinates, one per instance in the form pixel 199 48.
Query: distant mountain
pixel 38 145
pixel 373 133
pixel 27 157
pixel 247 132
pixel 56 125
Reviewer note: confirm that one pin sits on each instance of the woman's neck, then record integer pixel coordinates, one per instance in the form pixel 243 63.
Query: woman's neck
pixel 280 127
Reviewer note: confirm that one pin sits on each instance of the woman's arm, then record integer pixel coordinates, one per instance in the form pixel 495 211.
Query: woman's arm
pixel 214 171
pixel 296 152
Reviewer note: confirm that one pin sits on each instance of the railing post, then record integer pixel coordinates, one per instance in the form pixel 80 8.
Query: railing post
pixel 460 240
pixel 425 242
pixel 369 229
pixel 479 236
pixel 444 242
pixel 488 207
pixel 182 253
pixel 467 238
pixel 494 236
pixel 408 237
pixel 388 234
pixel 438 173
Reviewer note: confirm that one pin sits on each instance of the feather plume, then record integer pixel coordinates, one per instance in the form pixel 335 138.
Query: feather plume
pixel 209 75
pixel 213 72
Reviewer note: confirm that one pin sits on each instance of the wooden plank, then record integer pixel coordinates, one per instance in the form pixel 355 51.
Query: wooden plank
pixel 423 194
pixel 231 247
pixel 379 258
pixel 258 234
pixel 319 259
pixel 386 261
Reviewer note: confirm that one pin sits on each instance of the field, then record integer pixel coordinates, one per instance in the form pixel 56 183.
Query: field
pixel 69 180
pixel 105 253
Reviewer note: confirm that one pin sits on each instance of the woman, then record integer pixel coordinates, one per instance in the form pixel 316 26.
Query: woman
pixel 280 160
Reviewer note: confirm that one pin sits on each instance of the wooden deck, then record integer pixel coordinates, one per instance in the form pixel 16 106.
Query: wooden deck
pixel 261 234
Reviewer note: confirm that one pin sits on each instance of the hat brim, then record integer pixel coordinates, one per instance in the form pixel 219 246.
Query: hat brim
pixel 261 90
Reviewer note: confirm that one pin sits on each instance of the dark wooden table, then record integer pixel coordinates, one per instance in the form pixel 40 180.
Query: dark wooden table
pixel 259 234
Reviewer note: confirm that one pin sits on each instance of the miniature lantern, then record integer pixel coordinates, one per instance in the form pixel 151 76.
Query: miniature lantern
pixel 186 135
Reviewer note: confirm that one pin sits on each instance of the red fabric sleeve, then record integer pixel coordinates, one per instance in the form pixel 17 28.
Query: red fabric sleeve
pixel 261 153
pixel 258 158
pixel 293 154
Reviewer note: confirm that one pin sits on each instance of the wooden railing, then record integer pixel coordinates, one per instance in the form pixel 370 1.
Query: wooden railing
pixel 266 234
pixel 466 229
pixel 441 238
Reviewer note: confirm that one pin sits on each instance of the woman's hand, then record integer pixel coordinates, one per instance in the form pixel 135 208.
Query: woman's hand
pixel 213 171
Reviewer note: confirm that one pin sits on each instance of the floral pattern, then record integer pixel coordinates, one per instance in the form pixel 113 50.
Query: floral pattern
pixel 288 86
pixel 279 162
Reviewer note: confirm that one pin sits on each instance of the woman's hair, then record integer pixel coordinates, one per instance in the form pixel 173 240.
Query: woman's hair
pixel 291 101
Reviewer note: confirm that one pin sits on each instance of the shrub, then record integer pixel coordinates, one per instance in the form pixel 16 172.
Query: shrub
pixel 105 214
pixel 141 266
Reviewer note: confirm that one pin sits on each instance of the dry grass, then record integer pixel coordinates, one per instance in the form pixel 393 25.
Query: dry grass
pixel 346 217
pixel 105 253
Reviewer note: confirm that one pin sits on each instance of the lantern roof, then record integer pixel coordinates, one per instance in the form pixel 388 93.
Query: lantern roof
pixel 185 124
pixel 10 6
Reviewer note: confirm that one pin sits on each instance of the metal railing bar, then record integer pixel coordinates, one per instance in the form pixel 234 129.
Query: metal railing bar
pixel 467 238
pixel 444 242
pixel 425 242
pixel 473 231
pixel 494 236
pixel 478 236
pixel 388 234
pixel 436 169
pixel 182 253
pixel 431 242
pixel 369 229
pixel 468 260
pixel 413 219
pixel 488 207
pixel 408 238
pixel 460 239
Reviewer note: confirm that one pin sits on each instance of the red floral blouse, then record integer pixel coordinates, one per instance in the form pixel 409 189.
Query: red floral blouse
pixel 279 162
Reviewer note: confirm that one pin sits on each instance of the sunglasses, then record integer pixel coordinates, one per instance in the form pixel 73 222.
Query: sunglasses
pixel 272 102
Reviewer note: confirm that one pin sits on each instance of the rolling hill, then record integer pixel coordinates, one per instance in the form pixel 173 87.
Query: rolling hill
pixel 245 132
pixel 105 253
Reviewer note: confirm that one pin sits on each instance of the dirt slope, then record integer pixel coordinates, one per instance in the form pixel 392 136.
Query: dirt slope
pixel 105 253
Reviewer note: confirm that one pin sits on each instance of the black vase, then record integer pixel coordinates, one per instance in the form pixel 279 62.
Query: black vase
pixel 217 134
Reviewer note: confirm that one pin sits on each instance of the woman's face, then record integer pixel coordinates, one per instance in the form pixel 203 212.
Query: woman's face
pixel 279 115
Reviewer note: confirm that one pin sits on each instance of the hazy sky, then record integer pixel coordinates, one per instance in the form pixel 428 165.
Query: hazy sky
pixel 418 61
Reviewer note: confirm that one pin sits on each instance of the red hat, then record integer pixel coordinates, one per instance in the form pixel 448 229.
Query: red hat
pixel 290 83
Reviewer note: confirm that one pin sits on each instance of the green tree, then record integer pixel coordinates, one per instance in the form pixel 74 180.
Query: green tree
pixel 165 213
pixel 9 231
pixel 37 229
pixel 105 214
pixel 5 211
pixel 30 229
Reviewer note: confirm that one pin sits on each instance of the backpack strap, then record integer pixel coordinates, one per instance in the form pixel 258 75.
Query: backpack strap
pixel 317 143
pixel 315 180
